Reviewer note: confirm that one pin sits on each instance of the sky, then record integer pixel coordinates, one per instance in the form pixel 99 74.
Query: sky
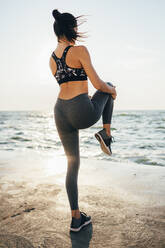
pixel 126 41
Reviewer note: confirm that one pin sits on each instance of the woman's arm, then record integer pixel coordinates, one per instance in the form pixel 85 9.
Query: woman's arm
pixel 86 63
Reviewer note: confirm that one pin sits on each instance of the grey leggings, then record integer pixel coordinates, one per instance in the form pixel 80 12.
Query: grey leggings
pixel 71 115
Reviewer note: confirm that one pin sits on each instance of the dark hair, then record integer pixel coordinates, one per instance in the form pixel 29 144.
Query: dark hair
pixel 64 25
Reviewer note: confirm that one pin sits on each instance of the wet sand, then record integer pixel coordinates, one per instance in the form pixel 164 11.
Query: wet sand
pixel 126 203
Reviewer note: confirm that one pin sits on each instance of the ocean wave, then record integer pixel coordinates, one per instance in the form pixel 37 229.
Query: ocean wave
pixel 160 127
pixel 41 115
pixel 147 161
pixel 20 138
pixel 19 133
pixel 127 114
pixel 147 147
pixel 12 127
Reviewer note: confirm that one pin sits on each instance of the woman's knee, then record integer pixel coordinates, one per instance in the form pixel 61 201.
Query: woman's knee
pixel 73 162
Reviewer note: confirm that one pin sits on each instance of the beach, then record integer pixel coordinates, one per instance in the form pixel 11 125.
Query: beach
pixel 126 203
pixel 41 119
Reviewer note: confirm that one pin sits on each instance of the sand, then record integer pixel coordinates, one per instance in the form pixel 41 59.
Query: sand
pixel 126 203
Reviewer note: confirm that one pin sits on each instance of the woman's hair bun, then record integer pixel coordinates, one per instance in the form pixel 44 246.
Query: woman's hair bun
pixel 56 14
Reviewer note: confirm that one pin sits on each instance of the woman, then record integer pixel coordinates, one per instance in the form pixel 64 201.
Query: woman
pixel 74 109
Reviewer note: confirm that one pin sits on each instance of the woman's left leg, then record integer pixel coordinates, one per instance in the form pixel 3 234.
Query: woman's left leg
pixel 107 115
pixel 104 103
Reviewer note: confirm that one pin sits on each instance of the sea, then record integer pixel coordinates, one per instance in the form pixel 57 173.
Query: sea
pixel 139 136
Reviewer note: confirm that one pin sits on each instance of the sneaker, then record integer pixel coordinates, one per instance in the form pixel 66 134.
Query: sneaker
pixel 78 224
pixel 105 141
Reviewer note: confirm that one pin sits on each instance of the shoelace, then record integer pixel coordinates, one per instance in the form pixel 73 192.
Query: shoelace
pixel 83 213
pixel 112 139
pixel 109 140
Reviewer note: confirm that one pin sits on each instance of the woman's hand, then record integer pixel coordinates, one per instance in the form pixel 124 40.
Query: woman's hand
pixel 114 93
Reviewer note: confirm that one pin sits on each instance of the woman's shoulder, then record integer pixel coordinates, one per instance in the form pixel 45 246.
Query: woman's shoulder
pixel 80 50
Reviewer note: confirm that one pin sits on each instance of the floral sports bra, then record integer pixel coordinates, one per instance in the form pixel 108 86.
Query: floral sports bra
pixel 65 73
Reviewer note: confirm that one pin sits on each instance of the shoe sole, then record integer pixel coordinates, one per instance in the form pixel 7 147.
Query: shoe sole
pixel 103 145
pixel 79 228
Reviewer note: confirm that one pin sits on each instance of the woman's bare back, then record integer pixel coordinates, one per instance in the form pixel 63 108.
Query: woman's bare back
pixel 72 88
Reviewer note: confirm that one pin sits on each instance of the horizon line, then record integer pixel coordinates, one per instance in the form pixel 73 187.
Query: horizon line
pixel 46 110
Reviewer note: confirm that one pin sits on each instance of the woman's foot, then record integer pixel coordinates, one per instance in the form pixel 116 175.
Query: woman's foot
pixel 78 224
pixel 105 141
